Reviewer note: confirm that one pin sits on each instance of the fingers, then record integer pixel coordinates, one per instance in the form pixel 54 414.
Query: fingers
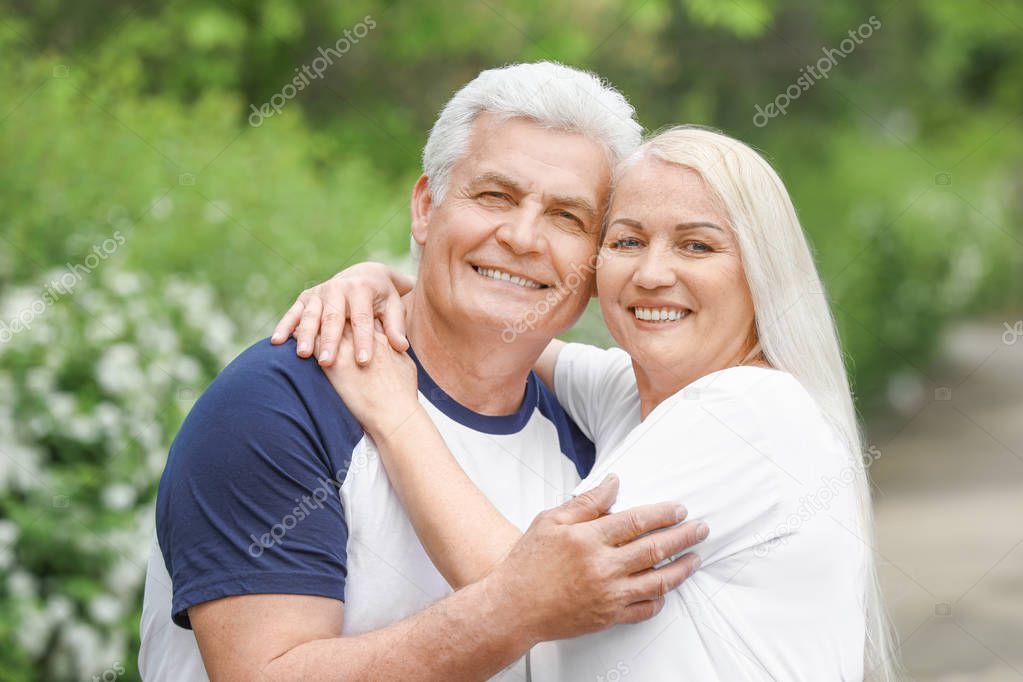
pixel 360 311
pixel 346 348
pixel 650 550
pixel 332 324
pixel 591 504
pixel 394 323
pixel 625 526
pixel 640 611
pixel 290 320
pixel 403 283
pixel 309 326
pixel 654 583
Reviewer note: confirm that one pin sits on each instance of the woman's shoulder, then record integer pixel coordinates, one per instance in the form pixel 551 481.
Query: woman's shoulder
pixel 750 384
pixel 606 369
pixel 610 359
pixel 761 403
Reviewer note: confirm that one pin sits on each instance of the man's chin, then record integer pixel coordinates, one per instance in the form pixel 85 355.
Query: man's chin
pixel 509 325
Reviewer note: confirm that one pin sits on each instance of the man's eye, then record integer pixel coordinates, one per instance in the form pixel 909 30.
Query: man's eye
pixel 499 196
pixel 569 216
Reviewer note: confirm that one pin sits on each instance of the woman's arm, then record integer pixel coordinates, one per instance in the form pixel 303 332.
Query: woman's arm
pixel 547 361
pixel 464 535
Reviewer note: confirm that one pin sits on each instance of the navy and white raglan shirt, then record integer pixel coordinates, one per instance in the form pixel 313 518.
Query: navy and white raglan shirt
pixel 271 486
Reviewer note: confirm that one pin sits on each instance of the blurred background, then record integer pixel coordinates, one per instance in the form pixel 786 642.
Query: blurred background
pixel 174 173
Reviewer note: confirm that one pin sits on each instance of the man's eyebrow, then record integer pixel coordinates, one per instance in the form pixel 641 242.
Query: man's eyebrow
pixel 681 226
pixel 496 178
pixel 578 203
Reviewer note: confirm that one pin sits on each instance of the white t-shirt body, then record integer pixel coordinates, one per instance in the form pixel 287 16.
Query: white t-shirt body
pixel 780 592
pixel 273 487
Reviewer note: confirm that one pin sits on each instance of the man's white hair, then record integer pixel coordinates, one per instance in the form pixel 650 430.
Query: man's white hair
pixel 553 95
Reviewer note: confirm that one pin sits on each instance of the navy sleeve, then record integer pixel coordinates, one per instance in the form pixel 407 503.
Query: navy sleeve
pixel 249 501
pixel 574 443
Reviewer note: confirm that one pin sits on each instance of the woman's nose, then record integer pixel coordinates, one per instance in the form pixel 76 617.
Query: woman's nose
pixel 653 271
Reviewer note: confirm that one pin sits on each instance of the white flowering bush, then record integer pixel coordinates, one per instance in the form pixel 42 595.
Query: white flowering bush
pixel 93 387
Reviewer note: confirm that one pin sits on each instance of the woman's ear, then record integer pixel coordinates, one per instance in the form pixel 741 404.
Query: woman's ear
pixel 422 207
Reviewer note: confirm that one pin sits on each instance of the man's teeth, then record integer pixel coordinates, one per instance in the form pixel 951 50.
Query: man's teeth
pixel 659 314
pixel 505 277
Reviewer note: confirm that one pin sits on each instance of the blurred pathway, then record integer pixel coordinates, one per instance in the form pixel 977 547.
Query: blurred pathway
pixel 949 495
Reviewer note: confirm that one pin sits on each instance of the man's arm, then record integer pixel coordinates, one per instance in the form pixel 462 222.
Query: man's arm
pixel 276 637
pixel 571 573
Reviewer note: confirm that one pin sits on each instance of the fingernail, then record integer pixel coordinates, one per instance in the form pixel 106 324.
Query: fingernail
pixel 702 531
pixel 324 356
pixel 363 356
pixel 303 347
pixel 681 512
pixel 275 338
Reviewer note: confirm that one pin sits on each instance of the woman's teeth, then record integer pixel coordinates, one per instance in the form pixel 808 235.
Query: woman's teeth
pixel 505 277
pixel 659 314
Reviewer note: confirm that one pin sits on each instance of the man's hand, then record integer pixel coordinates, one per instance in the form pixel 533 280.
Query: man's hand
pixel 578 570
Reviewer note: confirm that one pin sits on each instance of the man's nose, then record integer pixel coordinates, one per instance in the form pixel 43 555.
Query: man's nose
pixel 520 233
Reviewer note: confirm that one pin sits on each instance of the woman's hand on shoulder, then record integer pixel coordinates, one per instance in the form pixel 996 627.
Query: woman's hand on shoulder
pixel 381 395
pixel 360 294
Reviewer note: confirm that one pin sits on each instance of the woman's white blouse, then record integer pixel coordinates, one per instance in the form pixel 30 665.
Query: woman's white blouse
pixel 780 593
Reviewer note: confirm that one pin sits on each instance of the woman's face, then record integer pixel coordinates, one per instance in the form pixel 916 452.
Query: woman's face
pixel 671 283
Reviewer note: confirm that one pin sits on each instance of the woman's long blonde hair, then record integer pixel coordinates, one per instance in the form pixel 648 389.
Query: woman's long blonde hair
pixel 794 326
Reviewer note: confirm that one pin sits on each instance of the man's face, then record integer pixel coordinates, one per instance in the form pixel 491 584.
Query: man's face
pixel 512 244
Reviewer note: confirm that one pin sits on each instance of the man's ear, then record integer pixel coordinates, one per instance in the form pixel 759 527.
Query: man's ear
pixel 422 207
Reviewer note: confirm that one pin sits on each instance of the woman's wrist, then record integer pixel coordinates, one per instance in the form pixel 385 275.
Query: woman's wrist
pixel 391 421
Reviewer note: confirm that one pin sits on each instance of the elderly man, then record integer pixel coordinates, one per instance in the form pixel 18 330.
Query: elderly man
pixel 281 544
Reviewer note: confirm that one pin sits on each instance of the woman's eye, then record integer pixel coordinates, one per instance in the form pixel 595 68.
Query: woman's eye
pixel 698 247
pixel 624 243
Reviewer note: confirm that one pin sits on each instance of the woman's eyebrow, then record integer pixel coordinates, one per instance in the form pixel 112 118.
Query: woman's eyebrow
pixel 681 226
pixel 628 222
pixel 700 223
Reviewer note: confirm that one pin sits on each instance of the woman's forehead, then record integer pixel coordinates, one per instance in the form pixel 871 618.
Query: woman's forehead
pixel 653 189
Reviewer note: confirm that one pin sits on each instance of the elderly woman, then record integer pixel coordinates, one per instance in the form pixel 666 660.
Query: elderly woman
pixel 728 395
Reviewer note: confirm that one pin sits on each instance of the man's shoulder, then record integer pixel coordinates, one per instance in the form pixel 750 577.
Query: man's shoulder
pixel 269 390
pixel 263 365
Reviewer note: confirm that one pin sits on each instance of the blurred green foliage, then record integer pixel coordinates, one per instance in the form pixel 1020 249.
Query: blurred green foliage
pixel 134 116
